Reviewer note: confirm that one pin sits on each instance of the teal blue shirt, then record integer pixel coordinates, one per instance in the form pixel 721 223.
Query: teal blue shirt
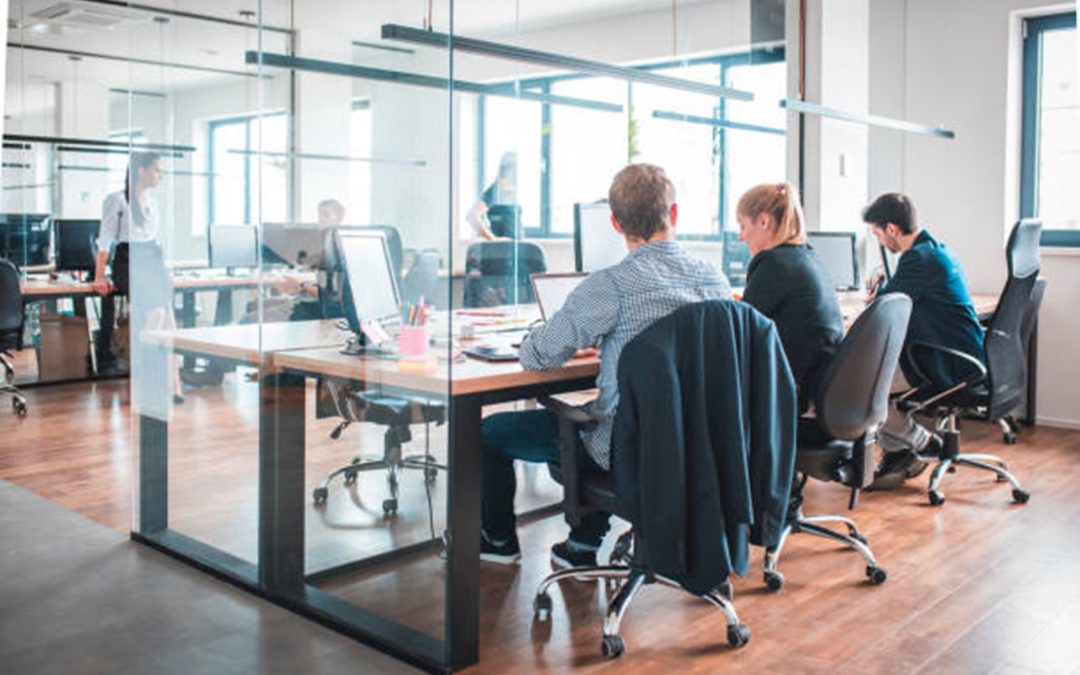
pixel 942 312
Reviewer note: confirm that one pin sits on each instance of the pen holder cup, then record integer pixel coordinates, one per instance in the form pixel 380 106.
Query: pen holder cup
pixel 413 343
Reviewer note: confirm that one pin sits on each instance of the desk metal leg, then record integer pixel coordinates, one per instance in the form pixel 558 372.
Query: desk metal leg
pixel 281 484
pixel 223 310
pixel 463 554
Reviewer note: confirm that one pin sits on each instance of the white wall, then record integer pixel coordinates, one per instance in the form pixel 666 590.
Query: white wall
pixel 961 70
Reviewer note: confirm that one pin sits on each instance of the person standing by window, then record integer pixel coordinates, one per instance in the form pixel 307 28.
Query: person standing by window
pixel 497 215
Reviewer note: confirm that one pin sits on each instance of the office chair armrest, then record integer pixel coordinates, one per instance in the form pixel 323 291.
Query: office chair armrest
pixel 578 415
pixel 971 380
pixel 572 421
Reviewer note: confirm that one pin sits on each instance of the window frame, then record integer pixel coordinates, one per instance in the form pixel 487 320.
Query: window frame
pixel 1034 29
pixel 211 127
pixel 757 55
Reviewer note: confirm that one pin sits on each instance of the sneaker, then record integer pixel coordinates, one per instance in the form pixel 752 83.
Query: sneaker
pixel 565 555
pixel 505 553
pixel 895 468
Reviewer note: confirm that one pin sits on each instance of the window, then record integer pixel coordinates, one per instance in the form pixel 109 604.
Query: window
pixel 569 153
pixel 1051 134
pixel 360 172
pixel 237 167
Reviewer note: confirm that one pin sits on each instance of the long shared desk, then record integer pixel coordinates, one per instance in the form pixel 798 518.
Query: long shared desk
pixel 287 356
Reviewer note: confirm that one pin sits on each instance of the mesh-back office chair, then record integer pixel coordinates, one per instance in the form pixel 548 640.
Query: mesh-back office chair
pixel 1009 424
pixel 421 282
pixel 838 446
pixel 738 359
pixel 11 330
pixel 498 272
pixel 991 391
pixel 397 413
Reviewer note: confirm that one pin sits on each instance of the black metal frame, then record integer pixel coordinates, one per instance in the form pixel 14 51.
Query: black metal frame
pixel 279 576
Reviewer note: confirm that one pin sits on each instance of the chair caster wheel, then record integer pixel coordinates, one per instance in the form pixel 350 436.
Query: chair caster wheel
pixel 876 575
pixel 612 647
pixel 1009 438
pixel 319 495
pixel 349 477
pixel 951 469
pixel 1021 496
pixel 774 581
pixel 430 475
pixel 19 406
pixel 542 607
pixel 936 498
pixel 389 507
pixel 738 635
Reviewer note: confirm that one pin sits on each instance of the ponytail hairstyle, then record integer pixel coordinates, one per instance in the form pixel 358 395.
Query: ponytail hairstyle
pixel 139 160
pixel 781 201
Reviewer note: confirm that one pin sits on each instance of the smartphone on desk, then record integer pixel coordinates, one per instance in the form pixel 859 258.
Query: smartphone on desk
pixel 495 353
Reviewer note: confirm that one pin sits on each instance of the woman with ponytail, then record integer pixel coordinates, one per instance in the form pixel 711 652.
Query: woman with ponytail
pixel 786 282
pixel 128 243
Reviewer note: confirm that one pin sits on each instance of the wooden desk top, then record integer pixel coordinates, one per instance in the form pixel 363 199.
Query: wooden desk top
pixel 249 343
pixel 853 302
pixel 436 377
pixel 38 289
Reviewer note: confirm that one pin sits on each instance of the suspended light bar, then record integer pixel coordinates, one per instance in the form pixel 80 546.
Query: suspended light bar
pixel 869 120
pixel 364 72
pixel 393 31
pixel 714 122
pixel 333 158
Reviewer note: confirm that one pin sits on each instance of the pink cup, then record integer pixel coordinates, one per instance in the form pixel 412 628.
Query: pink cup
pixel 413 343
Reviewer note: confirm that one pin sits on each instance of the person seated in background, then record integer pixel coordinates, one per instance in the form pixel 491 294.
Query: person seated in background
pixel 496 214
pixel 786 282
pixel 942 313
pixel 608 309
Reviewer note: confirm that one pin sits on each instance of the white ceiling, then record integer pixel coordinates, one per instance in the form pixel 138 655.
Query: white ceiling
pixel 206 44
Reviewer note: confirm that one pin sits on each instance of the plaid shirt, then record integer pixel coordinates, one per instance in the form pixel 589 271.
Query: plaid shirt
pixel 609 308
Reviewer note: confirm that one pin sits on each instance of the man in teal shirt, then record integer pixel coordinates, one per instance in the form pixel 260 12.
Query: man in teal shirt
pixel 942 313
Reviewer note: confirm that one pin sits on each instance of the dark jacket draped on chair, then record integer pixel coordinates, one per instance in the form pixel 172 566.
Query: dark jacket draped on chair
pixel 704 440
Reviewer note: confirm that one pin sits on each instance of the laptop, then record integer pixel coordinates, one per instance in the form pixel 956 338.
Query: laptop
pixel 552 290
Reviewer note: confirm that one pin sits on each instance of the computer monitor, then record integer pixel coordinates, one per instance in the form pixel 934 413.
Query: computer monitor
pixel 76 245
pixel 25 238
pixel 736 259
pixel 370 290
pixel 296 245
pixel 596 243
pixel 837 253
pixel 234 246
pixel 552 290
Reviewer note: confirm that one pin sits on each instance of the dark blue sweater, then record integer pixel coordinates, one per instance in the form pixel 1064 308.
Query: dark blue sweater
pixel 942 312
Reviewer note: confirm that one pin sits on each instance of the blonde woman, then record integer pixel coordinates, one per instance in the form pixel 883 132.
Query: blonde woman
pixel 786 282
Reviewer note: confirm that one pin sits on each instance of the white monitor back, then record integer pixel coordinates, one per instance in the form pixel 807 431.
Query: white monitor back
pixel 596 243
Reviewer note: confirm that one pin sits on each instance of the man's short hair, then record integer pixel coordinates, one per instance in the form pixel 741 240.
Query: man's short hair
pixel 641 197
pixel 891 207
pixel 333 205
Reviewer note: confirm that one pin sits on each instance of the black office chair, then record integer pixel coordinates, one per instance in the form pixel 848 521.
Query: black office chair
pixel 586 491
pixel 11 330
pixel 1008 423
pixel 356 404
pixel 422 279
pixel 851 403
pixel 498 272
pixel 993 390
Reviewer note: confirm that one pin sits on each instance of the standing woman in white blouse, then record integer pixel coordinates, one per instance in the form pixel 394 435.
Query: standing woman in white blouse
pixel 129 231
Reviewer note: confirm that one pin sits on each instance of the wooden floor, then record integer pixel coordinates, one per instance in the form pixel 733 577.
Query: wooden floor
pixel 979 585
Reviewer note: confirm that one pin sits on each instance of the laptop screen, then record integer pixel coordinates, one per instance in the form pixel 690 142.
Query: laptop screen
pixel 552 290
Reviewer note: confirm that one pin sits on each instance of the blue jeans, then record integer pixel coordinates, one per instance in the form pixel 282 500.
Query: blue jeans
pixel 533 436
